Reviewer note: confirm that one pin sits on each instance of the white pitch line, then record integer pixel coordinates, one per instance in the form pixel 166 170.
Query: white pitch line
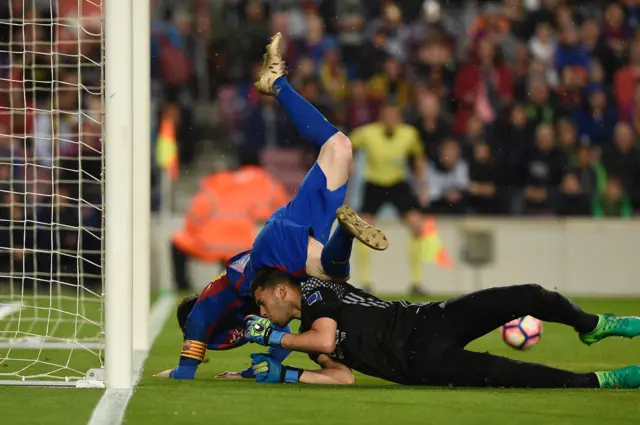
pixel 110 410
pixel 8 309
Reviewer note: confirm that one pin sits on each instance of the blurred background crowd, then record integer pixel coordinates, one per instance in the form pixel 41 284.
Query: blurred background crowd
pixel 513 107
pixel 522 107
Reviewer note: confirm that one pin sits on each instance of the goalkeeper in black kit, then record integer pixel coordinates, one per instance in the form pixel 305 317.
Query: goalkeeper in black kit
pixel 344 328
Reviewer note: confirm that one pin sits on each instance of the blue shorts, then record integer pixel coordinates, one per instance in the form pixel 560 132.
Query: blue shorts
pixel 284 240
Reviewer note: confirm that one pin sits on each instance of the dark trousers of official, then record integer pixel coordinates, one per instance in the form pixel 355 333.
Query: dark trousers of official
pixel 179 260
pixel 441 358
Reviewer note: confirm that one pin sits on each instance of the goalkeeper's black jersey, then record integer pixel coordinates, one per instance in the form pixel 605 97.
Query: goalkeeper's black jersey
pixel 374 337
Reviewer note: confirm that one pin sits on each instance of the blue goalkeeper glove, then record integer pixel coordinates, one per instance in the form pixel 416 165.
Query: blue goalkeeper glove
pixel 268 370
pixel 248 372
pixel 261 331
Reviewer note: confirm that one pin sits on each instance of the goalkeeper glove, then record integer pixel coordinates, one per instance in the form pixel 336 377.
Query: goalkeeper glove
pixel 261 331
pixel 248 372
pixel 268 370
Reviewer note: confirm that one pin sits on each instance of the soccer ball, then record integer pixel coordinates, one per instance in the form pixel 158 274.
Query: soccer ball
pixel 522 333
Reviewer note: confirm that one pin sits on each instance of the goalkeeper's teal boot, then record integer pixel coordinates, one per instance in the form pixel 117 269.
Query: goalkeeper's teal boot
pixel 627 377
pixel 610 325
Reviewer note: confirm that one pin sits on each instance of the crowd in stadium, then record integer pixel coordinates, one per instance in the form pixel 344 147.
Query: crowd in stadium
pixel 521 106
pixel 50 142
pixel 534 107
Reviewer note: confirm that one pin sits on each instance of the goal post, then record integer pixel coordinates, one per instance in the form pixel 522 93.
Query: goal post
pixel 141 10
pixel 74 192
pixel 119 194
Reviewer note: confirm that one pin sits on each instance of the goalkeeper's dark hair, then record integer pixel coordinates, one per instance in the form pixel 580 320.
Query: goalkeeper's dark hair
pixel 269 277
pixel 184 308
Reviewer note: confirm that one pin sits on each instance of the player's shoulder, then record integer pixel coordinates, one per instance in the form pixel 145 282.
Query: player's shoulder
pixel 315 287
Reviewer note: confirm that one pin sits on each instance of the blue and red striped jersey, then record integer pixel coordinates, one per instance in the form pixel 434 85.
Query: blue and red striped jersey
pixel 217 318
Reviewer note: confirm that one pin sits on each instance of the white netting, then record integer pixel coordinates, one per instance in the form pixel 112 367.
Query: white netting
pixel 51 191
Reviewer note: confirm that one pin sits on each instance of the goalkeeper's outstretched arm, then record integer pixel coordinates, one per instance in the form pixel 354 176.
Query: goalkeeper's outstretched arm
pixel 331 373
pixel 268 370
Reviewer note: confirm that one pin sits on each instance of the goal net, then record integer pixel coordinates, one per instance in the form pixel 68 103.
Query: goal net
pixel 51 190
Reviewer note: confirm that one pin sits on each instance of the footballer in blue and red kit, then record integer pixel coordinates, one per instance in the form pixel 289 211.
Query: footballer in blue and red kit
pixel 215 320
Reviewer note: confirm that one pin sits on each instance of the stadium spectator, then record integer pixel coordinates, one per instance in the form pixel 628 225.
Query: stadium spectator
pixel 350 22
pixel 569 91
pixel 596 120
pixel 482 86
pixel 622 159
pixel 523 68
pixel 590 173
pixel 594 43
pixel 475 132
pixel 448 176
pixel 361 109
pixel 333 74
pixel 484 194
pixel 543 47
pixel 435 67
pixel 570 52
pixel 631 112
pixel 511 136
pixel 432 125
pixel 398 34
pixel 613 202
pixel 540 169
pixel 597 77
pixel 539 108
pixel 56 127
pixel 265 126
pixel 615 32
pixel 14 239
pixel 373 55
pixel 626 78
pixel 390 86
pixel 305 70
pixel 520 24
pixel 567 138
pixel 485 76
pixel 572 201
pixel 173 70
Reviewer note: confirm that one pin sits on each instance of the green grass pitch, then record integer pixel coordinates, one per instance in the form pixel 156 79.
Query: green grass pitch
pixel 211 401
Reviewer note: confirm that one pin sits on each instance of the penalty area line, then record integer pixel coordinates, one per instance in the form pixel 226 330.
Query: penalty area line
pixel 111 407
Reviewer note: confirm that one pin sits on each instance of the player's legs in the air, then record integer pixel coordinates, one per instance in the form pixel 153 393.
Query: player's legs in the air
pixel 337 251
pixel 471 316
pixel 322 191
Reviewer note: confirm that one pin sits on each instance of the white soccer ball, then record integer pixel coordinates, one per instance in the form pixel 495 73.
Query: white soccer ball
pixel 522 333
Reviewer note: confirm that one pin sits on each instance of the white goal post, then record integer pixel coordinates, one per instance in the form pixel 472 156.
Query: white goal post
pixel 74 191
